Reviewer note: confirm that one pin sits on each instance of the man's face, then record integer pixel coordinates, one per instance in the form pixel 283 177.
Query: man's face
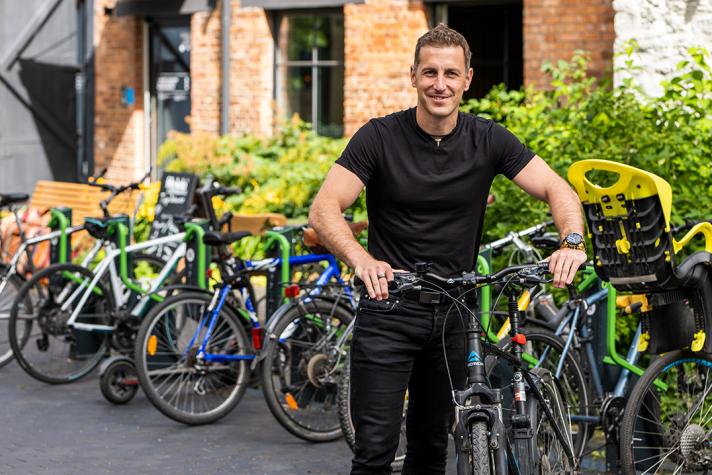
pixel 440 79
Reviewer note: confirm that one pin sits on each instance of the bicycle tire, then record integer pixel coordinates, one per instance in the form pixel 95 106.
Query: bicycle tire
pixel 297 414
pixel 684 444
pixel 84 349
pixel 7 297
pixel 115 382
pixel 227 382
pixel 479 456
pixel 346 422
pixel 574 386
pixel 549 451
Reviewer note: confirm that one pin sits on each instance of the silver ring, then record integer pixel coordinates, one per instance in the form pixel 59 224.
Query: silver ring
pixel 381 276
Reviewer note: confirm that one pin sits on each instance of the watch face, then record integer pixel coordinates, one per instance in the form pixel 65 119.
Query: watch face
pixel 574 239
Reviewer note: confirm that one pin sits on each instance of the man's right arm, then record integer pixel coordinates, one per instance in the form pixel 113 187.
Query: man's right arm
pixel 339 191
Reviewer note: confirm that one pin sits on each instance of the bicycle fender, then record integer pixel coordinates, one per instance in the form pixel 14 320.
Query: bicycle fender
pixel 108 361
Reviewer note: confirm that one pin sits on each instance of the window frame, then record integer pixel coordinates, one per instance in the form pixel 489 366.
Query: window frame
pixel 279 96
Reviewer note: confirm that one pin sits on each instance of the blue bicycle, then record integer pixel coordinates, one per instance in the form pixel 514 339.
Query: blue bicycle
pixel 194 357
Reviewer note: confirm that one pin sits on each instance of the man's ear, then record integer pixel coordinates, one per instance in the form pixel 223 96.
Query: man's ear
pixel 412 76
pixel 470 75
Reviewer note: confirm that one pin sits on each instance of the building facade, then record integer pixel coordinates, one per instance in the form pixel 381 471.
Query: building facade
pixel 243 66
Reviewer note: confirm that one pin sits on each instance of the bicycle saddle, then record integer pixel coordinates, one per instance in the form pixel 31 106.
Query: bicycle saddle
pixel 7 199
pixel 213 238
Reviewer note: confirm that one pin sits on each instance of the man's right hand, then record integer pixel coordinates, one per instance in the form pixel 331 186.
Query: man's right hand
pixel 375 275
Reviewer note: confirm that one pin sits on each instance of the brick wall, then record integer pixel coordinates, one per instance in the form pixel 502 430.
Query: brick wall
pixel 118 129
pixel 554 29
pixel 251 71
pixel 380 38
pixel 205 71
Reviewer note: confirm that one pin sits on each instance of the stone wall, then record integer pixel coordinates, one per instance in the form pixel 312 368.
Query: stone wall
pixel 664 30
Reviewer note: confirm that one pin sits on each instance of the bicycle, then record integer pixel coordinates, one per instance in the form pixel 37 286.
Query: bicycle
pixel 666 423
pixel 59 238
pixel 490 436
pixel 78 315
pixel 194 357
pixel 523 253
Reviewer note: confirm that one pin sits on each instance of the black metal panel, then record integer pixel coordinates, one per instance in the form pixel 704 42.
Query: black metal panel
pixel 161 7
pixel 38 76
pixel 292 4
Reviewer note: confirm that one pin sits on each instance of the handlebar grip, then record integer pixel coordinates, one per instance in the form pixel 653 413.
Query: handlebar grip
pixel 224 219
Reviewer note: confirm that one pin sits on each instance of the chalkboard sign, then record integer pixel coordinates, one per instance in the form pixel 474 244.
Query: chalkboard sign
pixel 174 200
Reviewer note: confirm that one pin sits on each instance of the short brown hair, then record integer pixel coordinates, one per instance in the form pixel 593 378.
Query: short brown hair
pixel 442 36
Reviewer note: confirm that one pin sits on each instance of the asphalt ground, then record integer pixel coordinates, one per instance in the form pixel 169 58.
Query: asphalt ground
pixel 72 429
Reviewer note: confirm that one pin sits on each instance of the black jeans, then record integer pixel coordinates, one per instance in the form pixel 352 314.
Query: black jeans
pixel 397 343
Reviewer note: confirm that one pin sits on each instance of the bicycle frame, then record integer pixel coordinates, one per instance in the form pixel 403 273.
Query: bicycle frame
pixel 220 295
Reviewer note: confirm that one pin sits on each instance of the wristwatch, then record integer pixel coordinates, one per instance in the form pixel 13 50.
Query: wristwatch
pixel 573 241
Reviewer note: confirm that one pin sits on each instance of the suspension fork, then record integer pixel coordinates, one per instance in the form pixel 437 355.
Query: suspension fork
pixel 478 402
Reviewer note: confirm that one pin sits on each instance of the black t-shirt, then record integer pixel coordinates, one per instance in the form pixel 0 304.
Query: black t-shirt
pixel 426 201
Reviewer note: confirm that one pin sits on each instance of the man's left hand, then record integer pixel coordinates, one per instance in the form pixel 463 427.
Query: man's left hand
pixel 564 263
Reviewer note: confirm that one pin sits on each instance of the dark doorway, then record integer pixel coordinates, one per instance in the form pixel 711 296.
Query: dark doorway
pixel 494 33
pixel 169 77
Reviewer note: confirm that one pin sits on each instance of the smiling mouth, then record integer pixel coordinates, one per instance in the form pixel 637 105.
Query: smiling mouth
pixel 439 98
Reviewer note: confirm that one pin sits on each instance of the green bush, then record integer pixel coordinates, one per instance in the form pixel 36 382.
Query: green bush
pixel 582 118
pixel 280 174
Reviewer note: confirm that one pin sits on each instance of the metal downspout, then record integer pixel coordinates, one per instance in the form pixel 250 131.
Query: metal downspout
pixel 225 59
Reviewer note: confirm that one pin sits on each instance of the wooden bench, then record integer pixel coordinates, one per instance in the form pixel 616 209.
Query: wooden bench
pixel 257 223
pixel 83 199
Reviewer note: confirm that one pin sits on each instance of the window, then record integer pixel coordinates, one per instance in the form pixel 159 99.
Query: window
pixel 310 69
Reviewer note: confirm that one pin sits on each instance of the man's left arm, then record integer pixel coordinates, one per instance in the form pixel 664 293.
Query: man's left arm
pixel 541 182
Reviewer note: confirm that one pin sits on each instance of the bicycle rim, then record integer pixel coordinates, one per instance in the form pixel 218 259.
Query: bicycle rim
pixel 551 451
pixel 182 386
pixel 11 289
pixel 53 352
pixel 301 371
pixel 666 429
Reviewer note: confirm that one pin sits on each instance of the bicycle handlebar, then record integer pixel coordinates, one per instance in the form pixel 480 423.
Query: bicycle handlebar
pixel 115 190
pixel 528 274
pixel 514 235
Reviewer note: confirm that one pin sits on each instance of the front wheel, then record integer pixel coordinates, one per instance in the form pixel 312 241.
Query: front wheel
pixel 56 352
pixel 475 458
pixel 10 286
pixel 667 423
pixel 301 369
pixel 550 451
pixel 183 385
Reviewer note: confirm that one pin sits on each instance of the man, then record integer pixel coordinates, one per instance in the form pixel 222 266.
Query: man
pixel 427 173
